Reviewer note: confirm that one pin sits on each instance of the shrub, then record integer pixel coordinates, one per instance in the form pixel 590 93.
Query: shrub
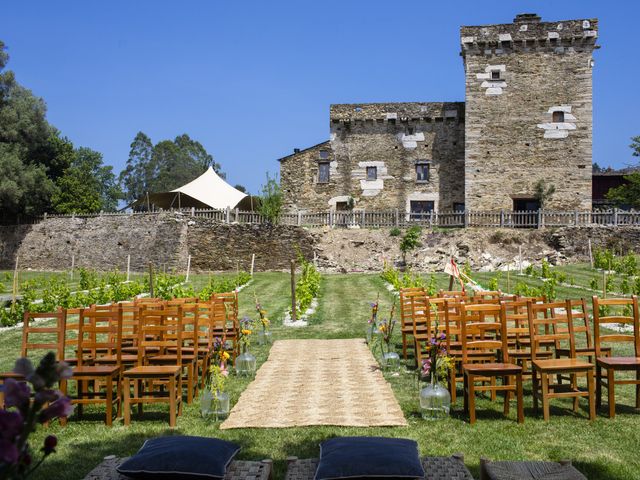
pixel 394 232
pixel 221 285
pixel 307 286
pixel 271 200
pixel 88 279
pixel 410 241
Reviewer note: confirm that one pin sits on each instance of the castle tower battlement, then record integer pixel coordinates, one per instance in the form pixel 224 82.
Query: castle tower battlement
pixel 528 112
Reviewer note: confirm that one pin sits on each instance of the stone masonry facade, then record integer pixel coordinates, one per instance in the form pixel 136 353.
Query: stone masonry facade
pixel 527 117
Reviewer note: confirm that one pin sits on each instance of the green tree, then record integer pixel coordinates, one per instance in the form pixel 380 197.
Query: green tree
pixel 542 193
pixel 163 167
pixel 271 200
pixel 629 194
pixel 241 188
pixel 87 186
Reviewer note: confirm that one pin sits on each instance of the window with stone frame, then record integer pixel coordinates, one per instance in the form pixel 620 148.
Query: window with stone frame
pixel 372 173
pixel 558 116
pixel 458 207
pixel 323 172
pixel 495 75
pixel 422 172
pixel 324 155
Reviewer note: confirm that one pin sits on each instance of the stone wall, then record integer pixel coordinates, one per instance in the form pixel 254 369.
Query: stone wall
pixel 392 138
pixel 517 75
pixel 166 240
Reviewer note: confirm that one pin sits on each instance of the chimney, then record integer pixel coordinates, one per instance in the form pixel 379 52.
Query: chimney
pixel 296 150
pixel 527 18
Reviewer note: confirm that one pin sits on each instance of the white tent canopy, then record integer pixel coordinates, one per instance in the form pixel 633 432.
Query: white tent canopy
pixel 206 191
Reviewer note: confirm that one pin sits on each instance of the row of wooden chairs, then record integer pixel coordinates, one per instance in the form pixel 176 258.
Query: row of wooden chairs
pixel 133 353
pixel 510 338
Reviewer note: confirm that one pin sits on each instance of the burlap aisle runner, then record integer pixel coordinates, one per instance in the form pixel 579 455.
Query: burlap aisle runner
pixel 317 382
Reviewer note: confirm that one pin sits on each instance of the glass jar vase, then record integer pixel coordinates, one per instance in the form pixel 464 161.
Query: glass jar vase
pixel 390 361
pixel 264 337
pixel 214 404
pixel 245 364
pixel 435 401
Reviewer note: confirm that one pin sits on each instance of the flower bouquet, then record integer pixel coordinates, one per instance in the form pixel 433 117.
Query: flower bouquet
pixel 246 361
pixel 264 335
pixel 372 323
pixel 24 411
pixel 389 358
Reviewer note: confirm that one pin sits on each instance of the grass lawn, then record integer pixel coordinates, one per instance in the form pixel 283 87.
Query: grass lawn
pixel 604 449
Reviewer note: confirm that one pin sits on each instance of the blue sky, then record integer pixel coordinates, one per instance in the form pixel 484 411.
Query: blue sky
pixel 252 80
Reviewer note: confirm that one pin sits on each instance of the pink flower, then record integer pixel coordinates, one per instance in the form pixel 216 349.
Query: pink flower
pixel 223 369
pixel 60 408
pixel 16 394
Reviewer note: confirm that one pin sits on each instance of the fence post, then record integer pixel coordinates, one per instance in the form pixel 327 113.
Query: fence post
pixel 331 218
pixel 539 218
pixel 576 218
pixel 228 214
pixel 237 215
pixel 502 220
pixel 44 216
pixel 299 217
pixel 465 218
pixel 397 218
pixel 362 219
pixel 193 211
pixel 431 219
pixel 615 217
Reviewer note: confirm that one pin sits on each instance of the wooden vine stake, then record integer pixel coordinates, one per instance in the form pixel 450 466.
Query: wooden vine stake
pixel 14 290
pixel 590 254
pixel 294 312
pixel 253 263
pixel 151 280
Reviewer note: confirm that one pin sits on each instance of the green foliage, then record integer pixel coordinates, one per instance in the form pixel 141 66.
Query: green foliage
pixel 548 289
pixel 494 282
pixel 408 279
pixel 88 278
pixel 166 286
pixel 271 200
pixel 466 269
pixel 524 290
pixel 629 194
pixel 606 259
pixel 2 288
pixel 87 186
pixel 545 269
pixel 221 285
pixel 163 167
pixel 307 286
pixel 410 241
pixel 624 287
pixel 530 270
pixel 542 193
pixel 593 284
pixel 394 232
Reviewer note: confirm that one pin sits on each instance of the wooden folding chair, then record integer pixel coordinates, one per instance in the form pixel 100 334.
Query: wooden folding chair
pixel 483 330
pixel 155 383
pixel 99 333
pixel 605 360
pixel 230 307
pixel 409 298
pixel 545 326
pixel 39 338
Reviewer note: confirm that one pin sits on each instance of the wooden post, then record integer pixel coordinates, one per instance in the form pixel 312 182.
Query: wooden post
pixel 615 217
pixel 237 215
pixel 576 218
pixel 299 217
pixel 362 218
pixel 128 266
pixel 151 280
pixel 188 269
pixel 590 254
pixel 293 291
pixel 520 259
pixel 508 278
pixel 501 218
pixel 539 218
pixel 228 215
pixel 73 265
pixel 14 289
pixel 397 218
pixel 604 284
pixel 253 263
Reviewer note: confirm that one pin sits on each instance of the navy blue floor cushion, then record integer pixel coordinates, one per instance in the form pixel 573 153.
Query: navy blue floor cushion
pixel 180 457
pixel 366 457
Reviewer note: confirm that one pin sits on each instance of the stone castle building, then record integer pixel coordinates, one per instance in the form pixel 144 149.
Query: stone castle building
pixel 527 117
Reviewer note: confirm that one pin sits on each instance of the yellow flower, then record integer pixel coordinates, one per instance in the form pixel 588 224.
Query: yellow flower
pixel 225 356
pixel 383 327
pixel 246 332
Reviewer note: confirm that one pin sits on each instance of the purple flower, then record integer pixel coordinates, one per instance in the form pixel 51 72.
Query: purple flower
pixel 16 394
pixel 24 367
pixel 50 444
pixel 47 396
pixel 63 370
pixel 60 408
pixel 433 341
pixel 8 452
pixel 443 336
pixel 11 424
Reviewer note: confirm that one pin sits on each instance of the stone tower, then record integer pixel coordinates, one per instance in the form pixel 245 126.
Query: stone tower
pixel 528 113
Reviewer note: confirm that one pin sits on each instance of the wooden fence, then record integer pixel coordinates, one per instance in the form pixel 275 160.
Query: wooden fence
pixel 397 218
